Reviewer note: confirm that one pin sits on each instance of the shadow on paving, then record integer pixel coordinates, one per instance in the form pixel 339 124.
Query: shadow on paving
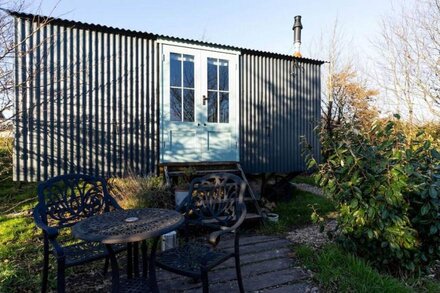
pixel 265 263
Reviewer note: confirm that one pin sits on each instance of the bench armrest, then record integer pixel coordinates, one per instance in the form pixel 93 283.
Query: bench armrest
pixel 51 232
pixel 215 236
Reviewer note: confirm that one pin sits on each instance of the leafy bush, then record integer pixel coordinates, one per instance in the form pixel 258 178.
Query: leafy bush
pixel 134 191
pixel 386 186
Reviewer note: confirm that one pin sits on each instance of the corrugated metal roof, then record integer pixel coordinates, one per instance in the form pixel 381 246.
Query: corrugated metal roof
pixel 83 25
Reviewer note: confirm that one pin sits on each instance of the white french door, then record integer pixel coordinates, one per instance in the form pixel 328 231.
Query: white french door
pixel 199 105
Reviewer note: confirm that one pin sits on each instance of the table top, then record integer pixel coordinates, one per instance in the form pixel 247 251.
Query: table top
pixel 124 226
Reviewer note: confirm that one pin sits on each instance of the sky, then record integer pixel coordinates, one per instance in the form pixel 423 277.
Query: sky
pixel 264 25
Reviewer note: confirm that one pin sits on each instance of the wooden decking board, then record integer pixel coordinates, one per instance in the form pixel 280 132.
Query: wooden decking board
pixel 265 264
pixel 247 241
pixel 251 258
pixel 229 274
pixel 249 253
pixel 258 282
pixel 259 247
pixel 290 288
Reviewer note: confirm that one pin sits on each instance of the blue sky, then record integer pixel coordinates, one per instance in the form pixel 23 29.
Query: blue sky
pixel 265 25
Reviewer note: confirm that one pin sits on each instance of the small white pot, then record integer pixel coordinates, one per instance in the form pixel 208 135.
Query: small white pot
pixel 272 217
pixel 180 195
pixel 169 240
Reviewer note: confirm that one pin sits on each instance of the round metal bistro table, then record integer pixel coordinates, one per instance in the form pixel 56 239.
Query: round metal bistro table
pixel 130 226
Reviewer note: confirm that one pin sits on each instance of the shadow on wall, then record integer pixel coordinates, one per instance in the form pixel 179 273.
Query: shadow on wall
pixel 281 102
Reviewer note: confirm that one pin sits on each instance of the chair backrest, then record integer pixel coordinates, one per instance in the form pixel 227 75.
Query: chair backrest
pixel 65 200
pixel 213 200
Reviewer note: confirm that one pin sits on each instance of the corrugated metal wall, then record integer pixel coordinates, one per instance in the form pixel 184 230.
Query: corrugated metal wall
pixel 85 102
pixel 280 102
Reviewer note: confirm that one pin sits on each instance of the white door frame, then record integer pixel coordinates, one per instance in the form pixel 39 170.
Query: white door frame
pixel 199 53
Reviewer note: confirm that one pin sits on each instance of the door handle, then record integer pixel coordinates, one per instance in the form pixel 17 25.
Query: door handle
pixel 204 99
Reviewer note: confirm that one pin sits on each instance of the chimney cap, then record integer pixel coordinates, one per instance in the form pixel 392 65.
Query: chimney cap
pixel 297 22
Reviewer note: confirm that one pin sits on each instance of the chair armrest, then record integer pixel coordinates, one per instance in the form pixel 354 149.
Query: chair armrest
pixel 215 236
pixel 51 232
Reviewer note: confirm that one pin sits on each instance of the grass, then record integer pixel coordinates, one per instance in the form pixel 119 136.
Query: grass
pixel 338 271
pixel 20 244
pixel 20 255
pixel 297 212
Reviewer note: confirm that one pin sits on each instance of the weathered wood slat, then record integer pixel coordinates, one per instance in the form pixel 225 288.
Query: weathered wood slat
pixel 290 288
pixel 247 240
pixel 259 282
pixel 252 248
pixel 227 274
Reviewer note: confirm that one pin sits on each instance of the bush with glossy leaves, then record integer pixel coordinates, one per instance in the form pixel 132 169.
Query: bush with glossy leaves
pixel 386 186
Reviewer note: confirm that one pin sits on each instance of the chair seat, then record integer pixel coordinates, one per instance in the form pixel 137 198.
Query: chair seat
pixel 83 252
pixel 187 259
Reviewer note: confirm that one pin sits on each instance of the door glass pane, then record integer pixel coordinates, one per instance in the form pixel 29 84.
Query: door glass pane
pixel 175 104
pixel 175 70
pixel 188 105
pixel 212 106
pixel 188 71
pixel 223 75
pixel 212 74
pixel 224 107
pixel 181 84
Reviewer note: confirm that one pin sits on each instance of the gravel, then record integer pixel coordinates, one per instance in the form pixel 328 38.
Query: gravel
pixel 311 235
pixel 309 188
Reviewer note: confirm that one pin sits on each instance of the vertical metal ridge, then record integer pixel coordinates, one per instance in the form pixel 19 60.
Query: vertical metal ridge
pixel 279 101
pixel 64 80
pixel 93 105
pixel 58 96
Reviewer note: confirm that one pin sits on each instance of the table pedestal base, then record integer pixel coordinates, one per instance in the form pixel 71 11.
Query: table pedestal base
pixel 136 284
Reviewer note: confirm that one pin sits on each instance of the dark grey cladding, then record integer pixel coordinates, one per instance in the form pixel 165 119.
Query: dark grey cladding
pixel 280 102
pixel 87 101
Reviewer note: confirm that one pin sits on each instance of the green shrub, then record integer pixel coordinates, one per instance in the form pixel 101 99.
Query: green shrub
pixel 134 191
pixel 386 186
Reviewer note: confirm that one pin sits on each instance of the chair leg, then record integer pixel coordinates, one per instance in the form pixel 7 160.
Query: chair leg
pixel 61 276
pixel 106 265
pixel 205 283
pixel 45 270
pixel 237 262
pixel 238 269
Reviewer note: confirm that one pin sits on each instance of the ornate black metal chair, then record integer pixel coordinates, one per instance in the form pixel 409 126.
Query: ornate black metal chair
pixel 62 202
pixel 215 202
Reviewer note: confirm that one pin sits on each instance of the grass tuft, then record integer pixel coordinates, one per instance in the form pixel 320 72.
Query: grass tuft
pixel 339 271
pixel 297 212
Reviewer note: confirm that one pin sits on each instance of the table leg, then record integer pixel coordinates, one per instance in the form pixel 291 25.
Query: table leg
pixel 152 266
pixel 115 269
pixel 136 259
pixel 144 251
pixel 129 260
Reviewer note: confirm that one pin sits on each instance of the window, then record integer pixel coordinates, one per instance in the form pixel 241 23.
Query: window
pixel 181 87
pixel 218 90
